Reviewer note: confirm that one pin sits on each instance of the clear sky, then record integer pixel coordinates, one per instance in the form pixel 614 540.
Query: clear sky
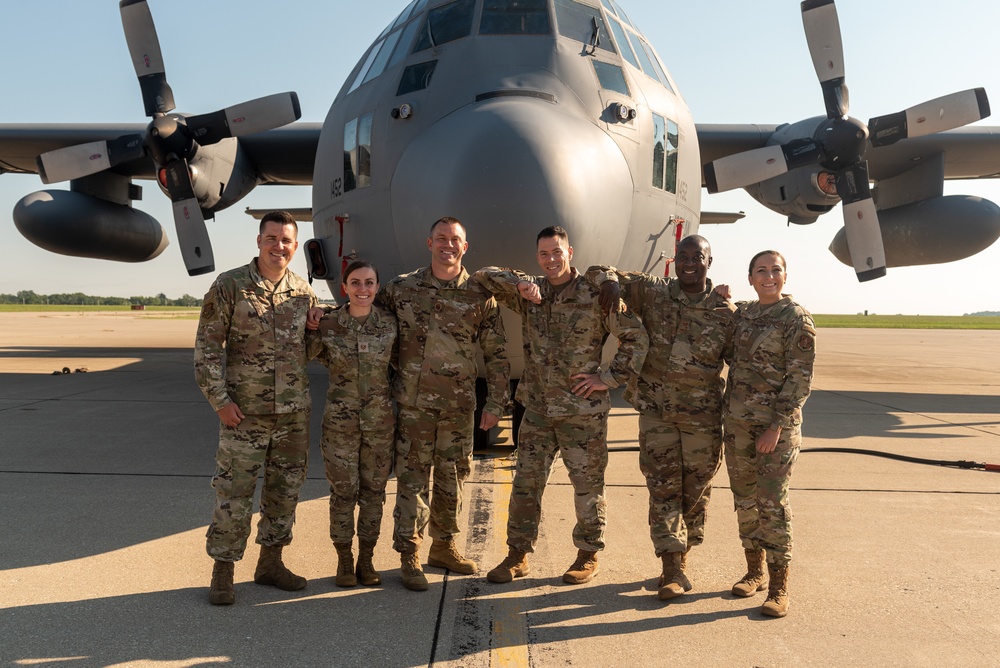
pixel 734 62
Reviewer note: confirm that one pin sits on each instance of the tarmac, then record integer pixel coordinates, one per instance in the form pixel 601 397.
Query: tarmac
pixel 105 500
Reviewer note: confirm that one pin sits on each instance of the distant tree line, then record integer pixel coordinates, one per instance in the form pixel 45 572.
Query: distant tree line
pixel 985 313
pixel 80 299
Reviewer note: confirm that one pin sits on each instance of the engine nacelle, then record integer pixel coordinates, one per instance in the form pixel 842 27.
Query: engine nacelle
pixel 222 174
pixel 803 194
pixel 798 194
pixel 71 223
pixel 935 230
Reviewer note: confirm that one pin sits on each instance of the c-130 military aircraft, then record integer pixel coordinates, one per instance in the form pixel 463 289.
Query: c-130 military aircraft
pixel 510 115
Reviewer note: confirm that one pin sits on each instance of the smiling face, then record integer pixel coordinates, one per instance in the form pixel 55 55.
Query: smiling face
pixel 767 277
pixel 277 245
pixel 447 245
pixel 554 256
pixel 691 261
pixel 361 286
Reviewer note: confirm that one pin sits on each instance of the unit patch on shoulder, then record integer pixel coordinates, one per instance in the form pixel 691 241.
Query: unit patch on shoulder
pixel 208 309
pixel 806 343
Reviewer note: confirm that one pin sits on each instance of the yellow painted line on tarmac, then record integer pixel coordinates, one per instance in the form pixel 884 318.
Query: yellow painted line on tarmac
pixel 509 646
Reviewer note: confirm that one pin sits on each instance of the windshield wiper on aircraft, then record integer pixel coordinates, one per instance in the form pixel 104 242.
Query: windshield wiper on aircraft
pixel 430 35
pixel 595 37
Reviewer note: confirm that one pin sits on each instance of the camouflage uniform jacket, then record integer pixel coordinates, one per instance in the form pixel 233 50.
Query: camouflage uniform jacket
pixel 772 367
pixel 250 348
pixel 563 336
pixel 690 336
pixel 358 356
pixel 442 326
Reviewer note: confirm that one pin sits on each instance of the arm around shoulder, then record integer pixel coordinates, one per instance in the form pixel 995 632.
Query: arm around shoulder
pixel 633 343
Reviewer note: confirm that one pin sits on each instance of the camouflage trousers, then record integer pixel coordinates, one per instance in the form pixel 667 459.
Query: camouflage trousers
pixel 679 463
pixel 582 442
pixel 430 441
pixel 358 462
pixel 280 445
pixel 760 487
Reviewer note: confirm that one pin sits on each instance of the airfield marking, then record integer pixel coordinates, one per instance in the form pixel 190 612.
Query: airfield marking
pixel 509 646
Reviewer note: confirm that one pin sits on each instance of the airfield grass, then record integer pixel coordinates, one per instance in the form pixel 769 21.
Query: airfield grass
pixel 908 321
pixel 822 320
pixel 181 312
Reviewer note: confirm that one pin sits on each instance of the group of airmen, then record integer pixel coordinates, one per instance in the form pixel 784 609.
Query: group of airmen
pixel 402 361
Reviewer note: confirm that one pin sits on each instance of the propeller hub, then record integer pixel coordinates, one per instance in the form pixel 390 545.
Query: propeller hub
pixel 844 141
pixel 168 139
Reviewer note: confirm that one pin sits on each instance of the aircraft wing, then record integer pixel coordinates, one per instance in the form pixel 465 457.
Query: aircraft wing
pixel 286 155
pixel 971 152
pixel 20 145
pixel 282 156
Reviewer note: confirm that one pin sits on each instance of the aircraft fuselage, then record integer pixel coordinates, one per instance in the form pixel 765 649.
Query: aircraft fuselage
pixel 508 133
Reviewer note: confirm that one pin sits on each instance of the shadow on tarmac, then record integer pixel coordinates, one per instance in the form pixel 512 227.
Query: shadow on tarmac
pixel 265 627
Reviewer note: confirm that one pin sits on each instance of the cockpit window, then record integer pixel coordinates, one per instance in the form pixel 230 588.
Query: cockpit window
pixel 357 153
pixel 578 21
pixel 621 14
pixel 660 74
pixel 515 17
pixel 611 77
pixel 623 44
pixel 636 50
pixel 363 72
pixel 645 64
pixel 378 65
pixel 446 24
pixel 403 15
pixel 416 77
pixel 403 46
pixel 664 154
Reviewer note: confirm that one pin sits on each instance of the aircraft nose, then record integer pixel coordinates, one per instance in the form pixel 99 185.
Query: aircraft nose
pixel 508 167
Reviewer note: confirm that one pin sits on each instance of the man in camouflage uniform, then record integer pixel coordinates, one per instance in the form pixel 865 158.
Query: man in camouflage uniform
pixel 444 321
pixel 769 382
pixel 679 397
pixel 250 363
pixel 565 394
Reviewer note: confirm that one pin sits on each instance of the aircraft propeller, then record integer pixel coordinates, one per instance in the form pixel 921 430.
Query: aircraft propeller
pixel 171 140
pixel 840 142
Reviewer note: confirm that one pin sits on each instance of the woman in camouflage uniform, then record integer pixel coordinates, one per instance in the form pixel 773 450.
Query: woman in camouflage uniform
pixel 357 343
pixel 769 381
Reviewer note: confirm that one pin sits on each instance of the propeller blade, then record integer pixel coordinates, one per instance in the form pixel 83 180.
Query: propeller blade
pixel 749 167
pixel 75 162
pixel 822 28
pixel 144 47
pixel 944 113
pixel 192 233
pixel 264 113
pixel 864 236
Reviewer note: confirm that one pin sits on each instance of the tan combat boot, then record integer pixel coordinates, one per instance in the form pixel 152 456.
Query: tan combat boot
pixel 366 573
pixel 271 570
pixel 753 581
pixel 682 573
pixel 670 584
pixel 584 569
pixel 345 566
pixel 444 554
pixel 776 604
pixel 413 575
pixel 515 565
pixel 221 591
